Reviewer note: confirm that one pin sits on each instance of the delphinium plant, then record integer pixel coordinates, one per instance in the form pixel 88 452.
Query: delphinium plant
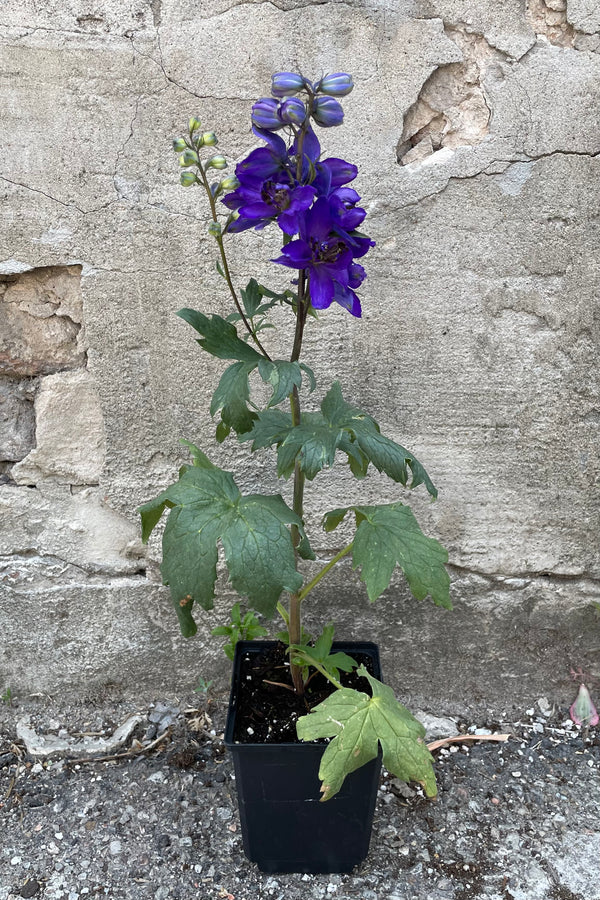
pixel 287 184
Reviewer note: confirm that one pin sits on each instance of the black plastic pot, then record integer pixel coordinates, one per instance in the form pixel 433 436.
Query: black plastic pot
pixel 285 827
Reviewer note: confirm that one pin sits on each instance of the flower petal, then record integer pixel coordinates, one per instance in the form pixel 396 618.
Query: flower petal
pixel 296 255
pixel 321 287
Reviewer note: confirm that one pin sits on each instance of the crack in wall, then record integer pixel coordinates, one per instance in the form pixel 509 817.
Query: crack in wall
pixel 451 109
pixel 491 170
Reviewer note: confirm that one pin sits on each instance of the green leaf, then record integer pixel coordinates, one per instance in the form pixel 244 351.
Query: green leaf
pixel 251 298
pixel 219 337
pixel 339 426
pixel 321 654
pixel 281 297
pixel 259 551
pixel 200 459
pixel 222 431
pixel 313 443
pixel 391 458
pixel 387 536
pixel 270 427
pixel 231 398
pixel 358 724
pixel 311 376
pixel 305 551
pixel 253 529
pixel 282 375
pixel 151 513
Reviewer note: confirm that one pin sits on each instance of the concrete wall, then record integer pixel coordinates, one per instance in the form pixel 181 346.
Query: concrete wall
pixel 476 129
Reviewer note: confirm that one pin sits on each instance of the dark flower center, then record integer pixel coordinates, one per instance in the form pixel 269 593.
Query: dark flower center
pixel 327 251
pixel 276 195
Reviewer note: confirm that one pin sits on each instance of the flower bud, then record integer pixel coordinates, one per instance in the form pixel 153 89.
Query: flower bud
pixel 209 139
pixel 193 124
pixel 216 162
pixel 327 112
pixel 187 179
pixel 179 144
pixel 337 85
pixel 230 183
pixel 264 114
pixel 286 84
pixel 189 158
pixel 215 229
pixel 292 111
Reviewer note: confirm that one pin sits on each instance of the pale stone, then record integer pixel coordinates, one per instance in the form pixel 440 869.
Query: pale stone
pixel 589 42
pixel 451 107
pixel 49 746
pixel 40 321
pixel 17 421
pixel 70 438
pixel 436 726
pixel 419 152
pixel 467 123
pixel 503 24
pixel 558 5
pixel 52 533
pixel 555 18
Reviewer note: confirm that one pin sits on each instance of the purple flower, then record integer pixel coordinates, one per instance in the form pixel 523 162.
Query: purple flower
pixel 338 84
pixel 264 114
pixel 286 84
pixel 346 215
pixel 345 296
pixel 327 258
pixel 292 111
pixel 327 111
pixel 260 202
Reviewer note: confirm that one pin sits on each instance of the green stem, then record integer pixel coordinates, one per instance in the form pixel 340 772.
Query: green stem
pixel 332 562
pixel 213 209
pixel 295 625
pixel 316 665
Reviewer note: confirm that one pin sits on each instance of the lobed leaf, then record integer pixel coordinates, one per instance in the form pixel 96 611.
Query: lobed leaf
pixel 339 426
pixel 358 724
pixel 389 535
pixel 219 337
pixel 206 507
pixel 282 375
pixel 232 396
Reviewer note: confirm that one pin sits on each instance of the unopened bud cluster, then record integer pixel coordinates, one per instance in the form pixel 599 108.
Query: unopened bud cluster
pixel 189 147
pixel 285 108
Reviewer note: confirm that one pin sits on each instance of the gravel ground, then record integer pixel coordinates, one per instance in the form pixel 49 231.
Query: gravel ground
pixel 515 820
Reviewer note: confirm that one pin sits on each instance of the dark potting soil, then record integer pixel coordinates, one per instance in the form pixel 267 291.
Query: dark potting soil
pixel 267 706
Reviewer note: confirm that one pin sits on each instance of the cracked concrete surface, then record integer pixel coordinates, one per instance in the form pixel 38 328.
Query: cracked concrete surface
pixel 485 273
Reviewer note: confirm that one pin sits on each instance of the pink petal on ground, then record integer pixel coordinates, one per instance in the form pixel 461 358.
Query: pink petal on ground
pixel 583 711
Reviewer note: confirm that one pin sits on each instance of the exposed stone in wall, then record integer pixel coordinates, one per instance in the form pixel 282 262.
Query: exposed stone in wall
pixel 70 440
pixel 451 110
pixel 46 395
pixel 52 535
pixel 549 18
pixel 40 321
pixel 17 420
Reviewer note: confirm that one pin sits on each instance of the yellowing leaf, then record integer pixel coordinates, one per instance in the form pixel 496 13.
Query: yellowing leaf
pixel 358 724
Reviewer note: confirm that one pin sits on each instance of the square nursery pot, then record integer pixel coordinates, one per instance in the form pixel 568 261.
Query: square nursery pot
pixel 285 827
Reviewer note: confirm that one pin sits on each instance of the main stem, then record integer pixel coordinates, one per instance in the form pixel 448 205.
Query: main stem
pixel 295 626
